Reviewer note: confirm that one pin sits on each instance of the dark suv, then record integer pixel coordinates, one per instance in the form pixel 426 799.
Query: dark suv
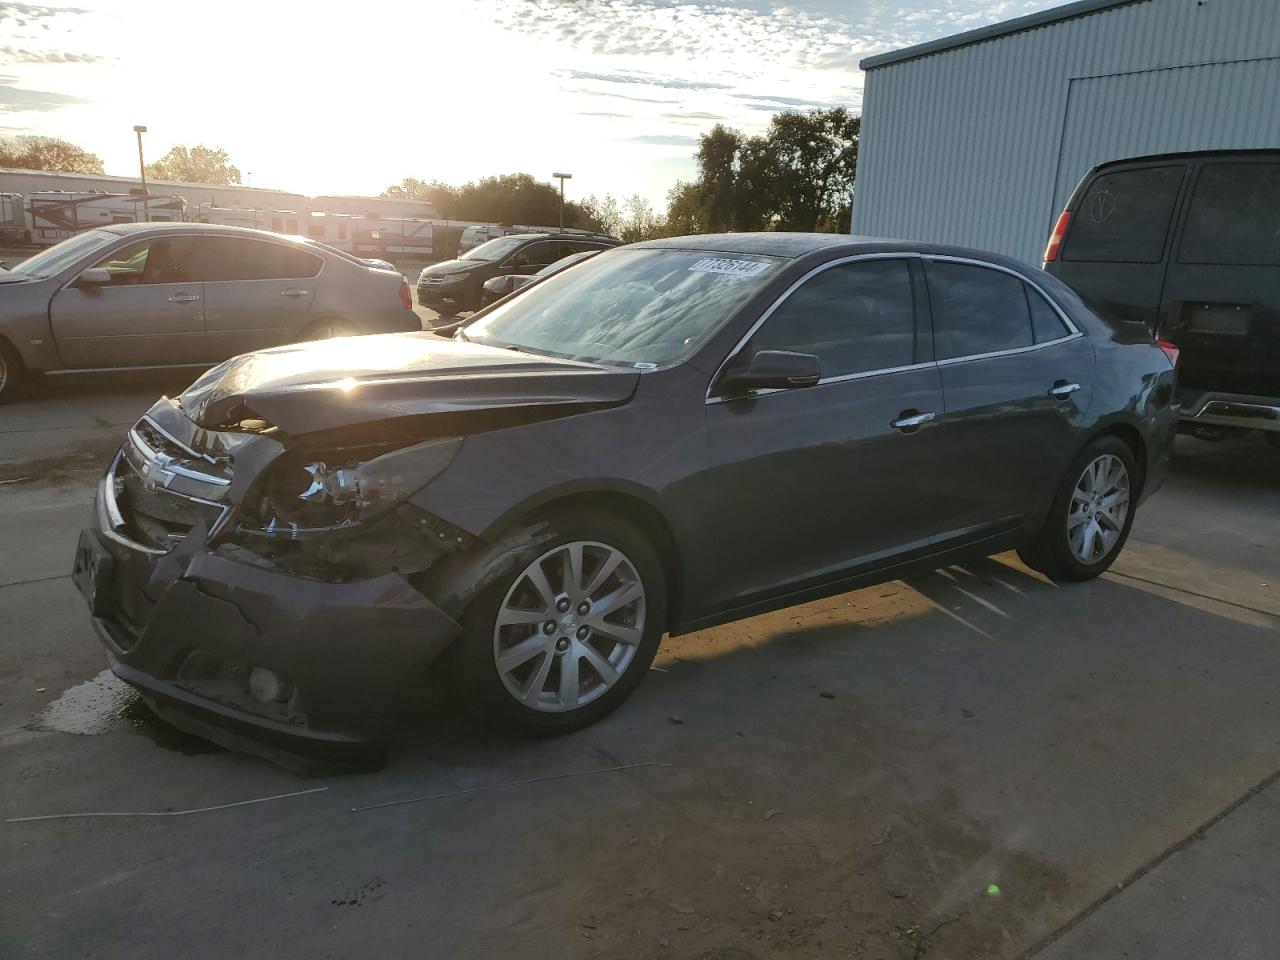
pixel 457 285
pixel 1188 244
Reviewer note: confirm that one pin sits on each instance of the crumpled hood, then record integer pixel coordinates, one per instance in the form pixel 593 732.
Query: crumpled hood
pixel 328 384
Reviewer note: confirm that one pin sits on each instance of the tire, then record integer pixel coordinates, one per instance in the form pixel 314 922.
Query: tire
pixel 1086 528
pixel 534 695
pixel 329 329
pixel 11 372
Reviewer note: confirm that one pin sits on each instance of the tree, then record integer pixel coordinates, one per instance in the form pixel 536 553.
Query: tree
pixel 798 175
pixel 512 198
pixel 47 153
pixel 198 164
pixel 604 212
pixel 411 188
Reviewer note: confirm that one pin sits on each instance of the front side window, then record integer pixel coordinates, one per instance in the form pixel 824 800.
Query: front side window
pixel 1124 216
pixel 232 258
pixel 977 310
pixel 1235 216
pixel 540 254
pixel 493 250
pixel 168 260
pixel 855 318
pixel 626 307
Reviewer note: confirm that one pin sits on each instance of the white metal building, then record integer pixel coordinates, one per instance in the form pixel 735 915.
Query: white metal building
pixel 27 182
pixel 979 139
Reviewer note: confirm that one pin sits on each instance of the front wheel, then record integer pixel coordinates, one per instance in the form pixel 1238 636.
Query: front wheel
pixel 567 630
pixel 1091 515
pixel 10 372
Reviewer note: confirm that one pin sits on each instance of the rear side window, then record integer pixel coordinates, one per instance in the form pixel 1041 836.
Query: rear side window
pixel 1124 216
pixel 1046 325
pixel 977 310
pixel 231 258
pixel 854 318
pixel 1234 216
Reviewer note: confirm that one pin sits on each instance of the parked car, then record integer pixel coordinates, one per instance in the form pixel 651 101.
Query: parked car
pixel 458 285
pixel 496 288
pixel 183 294
pixel 671 435
pixel 1188 245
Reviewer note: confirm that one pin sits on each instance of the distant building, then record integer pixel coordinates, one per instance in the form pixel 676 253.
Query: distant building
pixel 375 207
pixel 27 182
pixel 978 139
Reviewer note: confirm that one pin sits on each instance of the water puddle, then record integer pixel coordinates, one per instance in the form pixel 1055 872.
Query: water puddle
pixel 106 704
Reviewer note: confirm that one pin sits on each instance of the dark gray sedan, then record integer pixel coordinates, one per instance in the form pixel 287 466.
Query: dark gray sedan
pixel 184 294
pixel 668 436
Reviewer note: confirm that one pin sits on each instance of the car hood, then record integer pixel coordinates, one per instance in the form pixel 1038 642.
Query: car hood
pixel 331 384
pixel 447 267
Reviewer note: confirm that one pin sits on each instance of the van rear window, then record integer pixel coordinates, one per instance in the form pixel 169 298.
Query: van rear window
pixel 1124 217
pixel 1234 216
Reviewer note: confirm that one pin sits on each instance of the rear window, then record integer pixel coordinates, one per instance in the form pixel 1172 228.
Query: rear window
pixel 1124 216
pixel 1234 216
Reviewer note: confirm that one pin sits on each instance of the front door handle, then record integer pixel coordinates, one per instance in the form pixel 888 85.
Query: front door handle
pixel 293 292
pixel 1062 389
pixel 909 420
pixel 183 298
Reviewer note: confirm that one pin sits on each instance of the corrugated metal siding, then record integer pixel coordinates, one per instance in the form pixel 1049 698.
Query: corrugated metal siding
pixel 980 145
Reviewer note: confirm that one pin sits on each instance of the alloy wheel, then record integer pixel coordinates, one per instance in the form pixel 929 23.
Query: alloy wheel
pixel 569 626
pixel 4 373
pixel 1099 508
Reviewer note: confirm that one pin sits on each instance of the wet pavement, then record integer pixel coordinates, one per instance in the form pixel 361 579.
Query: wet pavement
pixel 847 778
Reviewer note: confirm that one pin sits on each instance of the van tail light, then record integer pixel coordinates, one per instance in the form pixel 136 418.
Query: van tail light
pixel 1170 350
pixel 406 298
pixel 1055 238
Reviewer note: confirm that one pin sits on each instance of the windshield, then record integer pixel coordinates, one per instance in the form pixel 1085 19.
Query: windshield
pixel 494 249
pixel 48 263
pixel 630 307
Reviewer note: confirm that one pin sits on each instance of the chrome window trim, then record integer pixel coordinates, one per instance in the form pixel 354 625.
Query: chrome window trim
pixel 1074 334
pixel 778 301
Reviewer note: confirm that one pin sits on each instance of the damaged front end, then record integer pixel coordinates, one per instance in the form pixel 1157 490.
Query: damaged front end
pixel 259 589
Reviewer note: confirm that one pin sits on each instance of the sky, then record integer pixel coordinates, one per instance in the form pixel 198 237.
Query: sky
pixel 333 98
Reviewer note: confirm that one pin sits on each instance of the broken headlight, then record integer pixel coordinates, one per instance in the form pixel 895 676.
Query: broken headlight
pixel 303 494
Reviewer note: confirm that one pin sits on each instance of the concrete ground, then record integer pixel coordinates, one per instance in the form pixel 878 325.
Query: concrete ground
pixel 973 763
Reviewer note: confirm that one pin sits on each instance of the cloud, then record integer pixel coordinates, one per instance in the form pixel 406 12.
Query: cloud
pixel 772 102
pixel 20 55
pixel 665 140
pixel 32 14
pixel 15 99
pixel 693 115
pixel 618 96
pixel 647 79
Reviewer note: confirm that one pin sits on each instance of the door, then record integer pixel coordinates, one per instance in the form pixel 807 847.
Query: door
pixel 1221 301
pixel 806 484
pixel 149 314
pixel 257 294
pixel 1016 382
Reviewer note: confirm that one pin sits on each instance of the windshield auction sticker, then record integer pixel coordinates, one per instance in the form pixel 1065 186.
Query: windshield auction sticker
pixel 733 268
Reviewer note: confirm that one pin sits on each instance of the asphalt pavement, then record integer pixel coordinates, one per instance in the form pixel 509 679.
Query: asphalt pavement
pixel 971 763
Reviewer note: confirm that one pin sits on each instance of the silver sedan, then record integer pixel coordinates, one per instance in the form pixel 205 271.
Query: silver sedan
pixel 184 294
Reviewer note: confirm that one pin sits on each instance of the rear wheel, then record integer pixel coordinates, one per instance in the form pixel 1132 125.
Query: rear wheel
pixel 1091 514
pixel 567 630
pixel 11 372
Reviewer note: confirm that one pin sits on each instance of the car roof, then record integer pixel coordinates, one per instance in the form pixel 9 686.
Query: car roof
pixel 795 245
pixel 1189 155
pixel 178 226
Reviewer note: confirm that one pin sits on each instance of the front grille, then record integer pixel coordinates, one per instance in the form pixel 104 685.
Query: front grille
pixel 159 489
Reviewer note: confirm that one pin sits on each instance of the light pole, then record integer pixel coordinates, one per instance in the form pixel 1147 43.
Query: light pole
pixel 142 169
pixel 562 177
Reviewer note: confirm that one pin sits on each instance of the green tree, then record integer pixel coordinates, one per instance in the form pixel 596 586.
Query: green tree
pixel 433 191
pixel 198 164
pixel 47 153
pixel 798 175
pixel 512 198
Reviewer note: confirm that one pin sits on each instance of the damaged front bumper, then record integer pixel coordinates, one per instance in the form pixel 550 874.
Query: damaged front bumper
pixel 254 659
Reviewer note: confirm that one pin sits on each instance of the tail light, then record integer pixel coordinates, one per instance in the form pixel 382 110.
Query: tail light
pixel 1170 350
pixel 406 298
pixel 1055 238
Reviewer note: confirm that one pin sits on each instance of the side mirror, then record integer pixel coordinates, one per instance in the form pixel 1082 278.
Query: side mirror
pixel 773 370
pixel 94 277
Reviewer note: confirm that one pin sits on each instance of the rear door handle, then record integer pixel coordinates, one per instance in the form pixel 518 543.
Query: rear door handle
pixel 909 420
pixel 183 298
pixel 293 292
pixel 1062 389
